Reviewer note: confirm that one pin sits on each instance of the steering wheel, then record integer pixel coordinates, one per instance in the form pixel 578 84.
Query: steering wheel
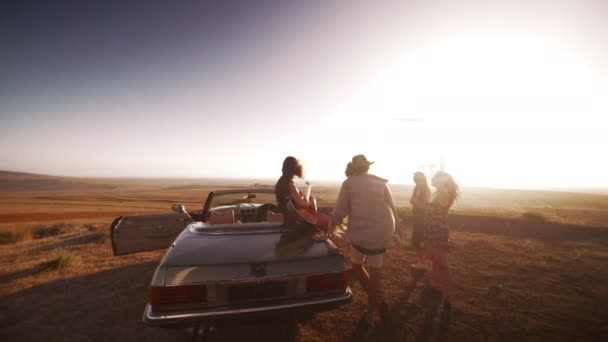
pixel 265 208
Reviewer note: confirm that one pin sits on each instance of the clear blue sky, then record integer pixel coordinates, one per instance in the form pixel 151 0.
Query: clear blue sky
pixel 508 94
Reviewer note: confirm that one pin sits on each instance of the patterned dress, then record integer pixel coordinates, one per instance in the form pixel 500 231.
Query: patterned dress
pixel 436 229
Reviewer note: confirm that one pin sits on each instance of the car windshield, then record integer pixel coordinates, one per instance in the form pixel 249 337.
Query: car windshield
pixel 250 197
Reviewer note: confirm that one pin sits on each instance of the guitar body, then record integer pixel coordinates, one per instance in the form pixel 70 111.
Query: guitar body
pixel 307 214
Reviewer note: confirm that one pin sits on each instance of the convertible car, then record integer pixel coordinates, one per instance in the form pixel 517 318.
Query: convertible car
pixel 234 260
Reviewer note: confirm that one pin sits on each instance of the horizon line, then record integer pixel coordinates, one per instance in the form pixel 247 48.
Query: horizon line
pixel 598 189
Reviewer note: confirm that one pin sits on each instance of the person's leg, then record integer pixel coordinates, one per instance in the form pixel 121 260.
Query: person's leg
pixel 358 272
pixel 323 222
pixel 417 235
pixel 375 277
pixel 376 293
pixel 435 276
pixel 420 261
pixel 369 281
pixel 444 274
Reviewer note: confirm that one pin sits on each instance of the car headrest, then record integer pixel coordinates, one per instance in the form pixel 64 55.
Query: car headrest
pixel 222 217
pixel 271 216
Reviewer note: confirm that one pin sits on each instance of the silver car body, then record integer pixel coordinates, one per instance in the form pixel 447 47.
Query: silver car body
pixel 248 268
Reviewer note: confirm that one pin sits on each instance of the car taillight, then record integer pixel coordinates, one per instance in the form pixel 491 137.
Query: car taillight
pixel 189 294
pixel 327 282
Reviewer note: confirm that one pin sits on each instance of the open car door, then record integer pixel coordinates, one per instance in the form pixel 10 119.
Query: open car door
pixel 132 234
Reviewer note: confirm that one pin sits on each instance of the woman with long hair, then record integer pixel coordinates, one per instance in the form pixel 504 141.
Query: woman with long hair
pixel 419 201
pixel 285 191
pixel 437 233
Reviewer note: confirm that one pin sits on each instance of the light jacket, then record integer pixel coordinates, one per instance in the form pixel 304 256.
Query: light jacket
pixel 368 203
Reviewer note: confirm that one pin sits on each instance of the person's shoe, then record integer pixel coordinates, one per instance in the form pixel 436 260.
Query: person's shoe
pixel 364 329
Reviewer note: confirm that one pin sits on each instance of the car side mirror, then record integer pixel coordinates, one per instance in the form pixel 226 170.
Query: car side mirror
pixel 178 208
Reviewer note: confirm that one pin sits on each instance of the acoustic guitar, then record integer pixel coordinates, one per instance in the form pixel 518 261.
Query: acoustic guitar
pixel 308 214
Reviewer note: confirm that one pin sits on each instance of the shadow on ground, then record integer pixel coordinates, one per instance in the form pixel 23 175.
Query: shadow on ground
pixel 106 306
pixel 528 227
pixel 70 240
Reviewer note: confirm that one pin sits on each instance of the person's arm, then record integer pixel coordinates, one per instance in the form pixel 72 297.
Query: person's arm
pixel 297 199
pixel 413 197
pixel 388 197
pixel 422 198
pixel 415 201
pixel 341 209
pixel 421 201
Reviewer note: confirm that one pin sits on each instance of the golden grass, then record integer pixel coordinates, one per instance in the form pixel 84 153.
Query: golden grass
pixel 13 233
pixel 62 261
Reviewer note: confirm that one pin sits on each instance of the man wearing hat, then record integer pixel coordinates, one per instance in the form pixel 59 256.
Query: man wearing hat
pixel 367 201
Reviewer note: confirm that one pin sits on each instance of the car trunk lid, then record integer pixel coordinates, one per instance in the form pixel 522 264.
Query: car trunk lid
pixel 197 258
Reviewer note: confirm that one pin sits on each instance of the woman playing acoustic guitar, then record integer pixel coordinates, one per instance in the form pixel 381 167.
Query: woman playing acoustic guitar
pixel 287 193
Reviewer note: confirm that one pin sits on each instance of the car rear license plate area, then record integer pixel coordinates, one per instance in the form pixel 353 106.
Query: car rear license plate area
pixel 253 291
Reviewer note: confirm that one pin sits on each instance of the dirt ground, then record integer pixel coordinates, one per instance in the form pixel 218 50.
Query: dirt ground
pixel 507 288
pixel 516 278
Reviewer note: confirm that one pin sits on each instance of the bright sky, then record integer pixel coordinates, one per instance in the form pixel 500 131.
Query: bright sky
pixel 505 93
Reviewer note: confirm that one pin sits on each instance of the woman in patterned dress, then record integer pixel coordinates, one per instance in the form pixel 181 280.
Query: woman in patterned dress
pixel 437 233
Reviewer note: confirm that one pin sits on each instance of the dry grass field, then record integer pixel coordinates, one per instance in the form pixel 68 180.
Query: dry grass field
pixel 527 266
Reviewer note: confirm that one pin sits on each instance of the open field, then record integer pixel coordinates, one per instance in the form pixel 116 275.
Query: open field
pixel 527 265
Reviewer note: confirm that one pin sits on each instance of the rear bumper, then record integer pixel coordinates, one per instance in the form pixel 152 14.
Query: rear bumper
pixel 296 307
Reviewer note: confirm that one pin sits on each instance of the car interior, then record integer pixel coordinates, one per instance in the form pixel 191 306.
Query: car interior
pixel 263 213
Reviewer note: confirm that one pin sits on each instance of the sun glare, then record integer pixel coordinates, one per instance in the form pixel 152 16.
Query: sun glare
pixel 502 110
